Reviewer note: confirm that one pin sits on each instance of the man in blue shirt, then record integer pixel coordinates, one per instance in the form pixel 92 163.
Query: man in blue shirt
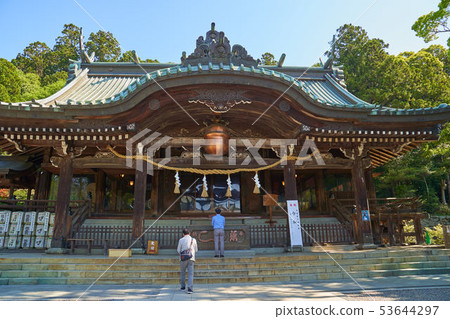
pixel 218 223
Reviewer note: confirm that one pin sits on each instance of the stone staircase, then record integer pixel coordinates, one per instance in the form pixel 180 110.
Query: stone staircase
pixel 161 270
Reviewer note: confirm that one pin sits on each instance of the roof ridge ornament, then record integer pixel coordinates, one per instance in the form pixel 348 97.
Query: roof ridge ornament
pixel 84 56
pixel 215 48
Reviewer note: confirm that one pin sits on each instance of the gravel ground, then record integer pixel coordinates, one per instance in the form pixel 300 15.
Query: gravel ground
pixel 403 294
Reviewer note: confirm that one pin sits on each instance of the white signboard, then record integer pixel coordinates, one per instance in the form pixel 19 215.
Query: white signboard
pixel 294 223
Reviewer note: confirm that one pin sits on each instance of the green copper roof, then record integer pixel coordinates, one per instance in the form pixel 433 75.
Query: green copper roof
pixel 102 89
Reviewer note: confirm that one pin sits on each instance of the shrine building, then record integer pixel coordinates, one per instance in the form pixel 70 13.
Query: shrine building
pixel 293 132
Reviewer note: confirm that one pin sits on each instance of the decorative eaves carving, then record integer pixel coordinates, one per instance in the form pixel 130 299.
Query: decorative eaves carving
pixel 220 100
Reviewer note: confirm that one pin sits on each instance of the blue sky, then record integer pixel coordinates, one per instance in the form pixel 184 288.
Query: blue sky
pixel 163 29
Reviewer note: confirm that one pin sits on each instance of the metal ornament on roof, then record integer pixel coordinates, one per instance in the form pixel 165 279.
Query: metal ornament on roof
pixel 220 100
pixel 216 48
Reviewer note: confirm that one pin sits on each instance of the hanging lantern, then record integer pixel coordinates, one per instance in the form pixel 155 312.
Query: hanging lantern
pixel 177 183
pixel 219 137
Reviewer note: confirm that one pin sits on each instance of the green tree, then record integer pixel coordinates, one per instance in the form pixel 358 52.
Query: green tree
pixel 430 25
pixel 440 53
pixel 36 58
pixel 10 82
pixel 361 58
pixel 268 59
pixel 430 83
pixel 67 47
pixel 105 46
pixel 130 56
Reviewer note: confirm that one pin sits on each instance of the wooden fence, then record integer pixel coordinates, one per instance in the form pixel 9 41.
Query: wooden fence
pixel 276 236
pixel 326 233
pixel 120 236
pixel 168 236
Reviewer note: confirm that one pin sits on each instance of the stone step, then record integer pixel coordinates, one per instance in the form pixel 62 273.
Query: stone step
pixel 411 255
pixel 251 271
pixel 290 257
pixel 223 264
pixel 223 279
pixel 161 270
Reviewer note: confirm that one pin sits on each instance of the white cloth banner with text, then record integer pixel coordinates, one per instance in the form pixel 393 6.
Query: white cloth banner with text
pixel 294 223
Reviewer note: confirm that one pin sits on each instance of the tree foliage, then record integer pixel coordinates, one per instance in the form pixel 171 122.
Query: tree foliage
pixel 408 80
pixel 40 71
pixel 268 59
pixel 67 47
pixel 10 82
pixel 104 45
pixel 430 25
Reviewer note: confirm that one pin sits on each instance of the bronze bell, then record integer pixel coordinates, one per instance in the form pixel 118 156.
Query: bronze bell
pixel 219 135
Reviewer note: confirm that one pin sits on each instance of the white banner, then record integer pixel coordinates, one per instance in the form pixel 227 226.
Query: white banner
pixel 294 223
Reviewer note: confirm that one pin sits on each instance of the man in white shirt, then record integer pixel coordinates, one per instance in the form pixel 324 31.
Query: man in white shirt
pixel 185 243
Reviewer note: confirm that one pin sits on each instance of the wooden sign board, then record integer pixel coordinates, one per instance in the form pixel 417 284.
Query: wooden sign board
pixel 152 247
pixel 446 229
pixel 270 200
pixel 116 253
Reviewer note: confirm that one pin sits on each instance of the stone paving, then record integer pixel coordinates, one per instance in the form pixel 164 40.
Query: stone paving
pixel 426 287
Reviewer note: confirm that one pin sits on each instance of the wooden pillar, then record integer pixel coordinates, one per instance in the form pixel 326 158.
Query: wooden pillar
pixel 168 196
pixel 268 187
pixel 43 188
pixel 320 192
pixel 156 193
pixel 290 189
pixel 99 191
pixel 62 202
pixel 140 187
pixel 365 239
pixel 370 184
pixel 418 230
pixel 44 180
pixel 251 202
pixel 11 192
pixel 290 183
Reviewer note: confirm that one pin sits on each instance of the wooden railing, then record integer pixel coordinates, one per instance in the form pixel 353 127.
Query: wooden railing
pixel 168 236
pixel 36 204
pixel 120 236
pixel 268 236
pixel 78 215
pixel 28 205
pixel 388 217
pixel 326 233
